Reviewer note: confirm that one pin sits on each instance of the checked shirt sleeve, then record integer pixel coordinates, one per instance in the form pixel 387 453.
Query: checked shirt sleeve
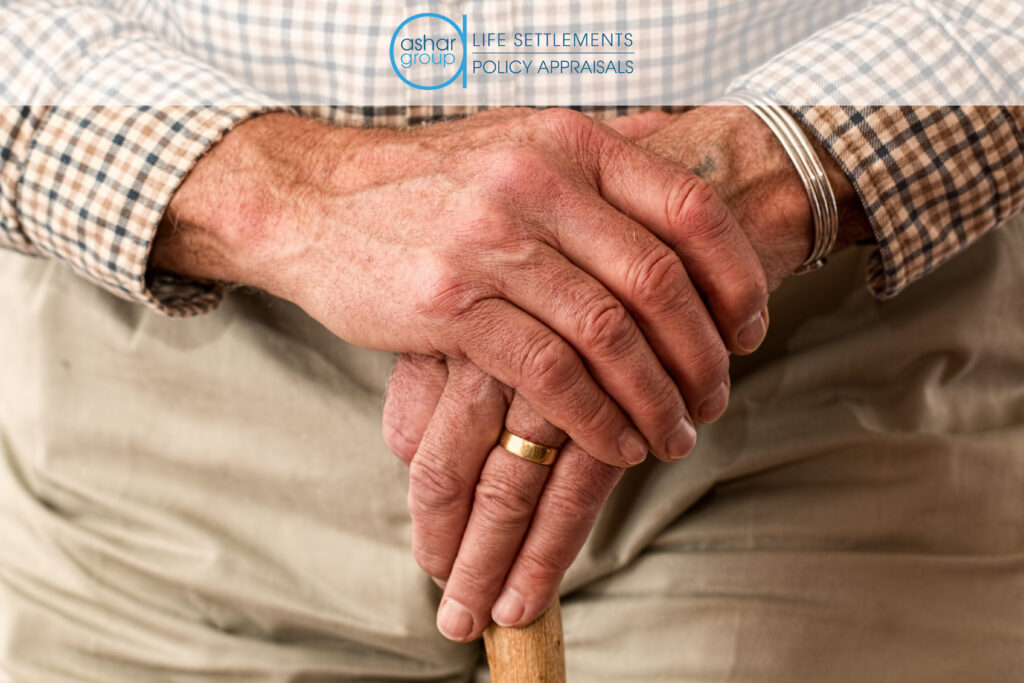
pixel 99 124
pixel 920 102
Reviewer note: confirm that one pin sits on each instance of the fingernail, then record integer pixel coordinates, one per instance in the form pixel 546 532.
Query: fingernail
pixel 682 439
pixel 715 404
pixel 752 334
pixel 441 583
pixel 509 608
pixel 454 621
pixel 632 446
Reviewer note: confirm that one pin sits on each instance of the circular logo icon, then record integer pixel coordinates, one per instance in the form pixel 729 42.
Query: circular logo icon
pixel 426 54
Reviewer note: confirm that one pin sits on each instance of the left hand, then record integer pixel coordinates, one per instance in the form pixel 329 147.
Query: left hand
pixel 502 531
pixel 473 502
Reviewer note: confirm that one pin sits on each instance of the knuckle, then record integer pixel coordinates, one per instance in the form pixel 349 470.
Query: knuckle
pixel 471 580
pixel 528 259
pixel 514 161
pixel 742 294
pixel 576 129
pixel 658 277
pixel 573 501
pixel 431 560
pixel 664 403
pixel 710 367
pixel 543 568
pixel 412 369
pixel 688 304
pixel 515 171
pixel 591 418
pixel 606 326
pixel 562 120
pixel 444 294
pixel 448 292
pixel 751 286
pixel 489 223
pixel 550 367
pixel 474 387
pixel 503 504
pixel 694 209
pixel 434 489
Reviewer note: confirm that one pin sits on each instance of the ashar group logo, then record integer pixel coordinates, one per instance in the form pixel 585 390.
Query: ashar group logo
pixel 426 54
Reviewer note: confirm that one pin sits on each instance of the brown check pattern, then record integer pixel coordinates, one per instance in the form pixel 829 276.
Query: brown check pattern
pixel 85 179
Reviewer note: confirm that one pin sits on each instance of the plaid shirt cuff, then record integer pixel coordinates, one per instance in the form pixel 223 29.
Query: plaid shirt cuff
pixel 932 179
pixel 89 184
pixel 95 185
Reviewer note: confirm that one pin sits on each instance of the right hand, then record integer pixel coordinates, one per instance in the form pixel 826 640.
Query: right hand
pixel 519 240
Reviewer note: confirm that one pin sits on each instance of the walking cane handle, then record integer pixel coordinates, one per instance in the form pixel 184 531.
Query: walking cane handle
pixel 532 654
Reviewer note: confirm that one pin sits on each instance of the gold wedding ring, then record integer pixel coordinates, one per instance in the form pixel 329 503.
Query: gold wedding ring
pixel 527 450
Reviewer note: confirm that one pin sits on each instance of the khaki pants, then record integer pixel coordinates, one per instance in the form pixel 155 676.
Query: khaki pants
pixel 211 500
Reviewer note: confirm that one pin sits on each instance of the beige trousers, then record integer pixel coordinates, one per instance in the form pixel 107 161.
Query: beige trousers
pixel 211 500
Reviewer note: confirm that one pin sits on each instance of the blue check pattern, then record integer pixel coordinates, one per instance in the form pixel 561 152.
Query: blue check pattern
pixel 105 106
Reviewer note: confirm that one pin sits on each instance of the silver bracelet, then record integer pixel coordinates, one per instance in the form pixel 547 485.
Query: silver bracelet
pixel 808 167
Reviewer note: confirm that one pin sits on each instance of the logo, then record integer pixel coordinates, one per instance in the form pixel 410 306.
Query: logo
pixel 425 58
pixel 430 51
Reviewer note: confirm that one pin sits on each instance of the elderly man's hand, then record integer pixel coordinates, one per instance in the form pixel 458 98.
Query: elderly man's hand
pixel 532 244
pixel 490 523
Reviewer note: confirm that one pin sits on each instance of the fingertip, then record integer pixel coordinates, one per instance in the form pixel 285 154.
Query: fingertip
pixel 715 404
pixel 509 609
pixel 681 441
pixel 632 447
pixel 454 621
pixel 520 612
pixel 752 334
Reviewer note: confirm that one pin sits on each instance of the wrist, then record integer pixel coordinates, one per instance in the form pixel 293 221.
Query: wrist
pixel 242 215
pixel 733 149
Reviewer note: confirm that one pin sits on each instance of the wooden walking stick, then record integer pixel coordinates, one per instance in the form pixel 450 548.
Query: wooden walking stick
pixel 532 654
